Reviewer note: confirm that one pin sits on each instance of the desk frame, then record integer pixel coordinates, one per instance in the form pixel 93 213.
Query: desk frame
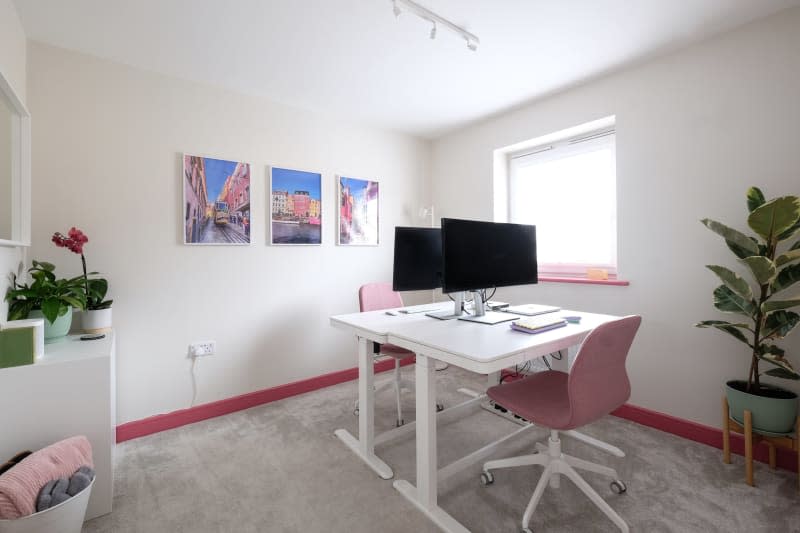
pixel 424 495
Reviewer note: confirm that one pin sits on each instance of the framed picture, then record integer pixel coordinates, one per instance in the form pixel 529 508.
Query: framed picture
pixel 358 211
pixel 295 206
pixel 216 201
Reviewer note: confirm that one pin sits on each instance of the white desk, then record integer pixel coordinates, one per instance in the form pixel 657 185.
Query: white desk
pixel 480 348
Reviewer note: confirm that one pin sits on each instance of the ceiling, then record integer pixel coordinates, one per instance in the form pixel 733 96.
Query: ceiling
pixel 354 59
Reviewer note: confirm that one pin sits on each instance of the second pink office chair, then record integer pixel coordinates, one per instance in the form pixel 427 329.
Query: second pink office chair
pixel 375 297
pixel 596 385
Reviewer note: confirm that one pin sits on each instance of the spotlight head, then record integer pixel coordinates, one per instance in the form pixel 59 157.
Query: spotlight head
pixel 396 9
pixel 433 31
pixel 472 46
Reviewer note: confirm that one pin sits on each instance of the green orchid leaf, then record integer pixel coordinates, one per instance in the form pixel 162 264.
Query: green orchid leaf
pixel 788 257
pixel 786 278
pixel 727 327
pixel 732 280
pixel 775 217
pixel 51 309
pixel 780 372
pixel 44 265
pixel 728 301
pixel 736 237
pixel 762 268
pixel 779 323
pixel 755 198
pixel 772 305
pixel 789 232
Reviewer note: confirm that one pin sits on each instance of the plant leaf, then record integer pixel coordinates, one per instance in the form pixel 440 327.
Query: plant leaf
pixel 789 232
pixel 786 278
pixel 727 327
pixel 780 372
pixel 728 301
pixel 788 257
pixel 775 355
pixel 74 302
pixel 736 237
pixel 732 280
pixel 755 198
pixel 44 265
pixel 51 309
pixel 775 217
pixel 773 305
pixel 778 324
pixel 762 268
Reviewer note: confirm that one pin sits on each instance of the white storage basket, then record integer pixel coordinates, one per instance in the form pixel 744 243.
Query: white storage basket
pixel 66 517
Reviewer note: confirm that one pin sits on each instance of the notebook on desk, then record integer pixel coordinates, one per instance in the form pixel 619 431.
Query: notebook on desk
pixel 530 309
pixel 538 324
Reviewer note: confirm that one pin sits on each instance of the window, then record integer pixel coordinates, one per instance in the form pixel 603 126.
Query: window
pixel 568 190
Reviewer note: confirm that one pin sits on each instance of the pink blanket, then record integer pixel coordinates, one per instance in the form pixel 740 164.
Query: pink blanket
pixel 20 486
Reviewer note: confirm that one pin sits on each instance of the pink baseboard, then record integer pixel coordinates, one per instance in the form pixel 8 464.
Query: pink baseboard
pixel 701 433
pixel 664 422
pixel 157 423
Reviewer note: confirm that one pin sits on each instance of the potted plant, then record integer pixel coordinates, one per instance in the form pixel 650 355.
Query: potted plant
pixel 774 268
pixel 97 313
pixel 46 297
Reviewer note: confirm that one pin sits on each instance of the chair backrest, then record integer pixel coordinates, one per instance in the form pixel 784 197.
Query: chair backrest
pixel 598 382
pixel 377 296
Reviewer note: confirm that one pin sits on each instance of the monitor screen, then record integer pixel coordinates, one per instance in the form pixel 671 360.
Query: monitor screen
pixel 481 255
pixel 417 259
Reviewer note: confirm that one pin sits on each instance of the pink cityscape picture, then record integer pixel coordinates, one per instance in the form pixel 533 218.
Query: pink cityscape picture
pixel 296 212
pixel 216 199
pixel 358 211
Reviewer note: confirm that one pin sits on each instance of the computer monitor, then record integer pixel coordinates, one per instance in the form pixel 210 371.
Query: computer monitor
pixel 417 259
pixel 482 255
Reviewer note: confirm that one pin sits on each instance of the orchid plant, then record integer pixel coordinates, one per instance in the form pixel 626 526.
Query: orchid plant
pixel 94 288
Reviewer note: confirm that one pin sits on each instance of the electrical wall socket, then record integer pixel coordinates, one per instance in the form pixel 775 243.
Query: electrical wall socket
pixel 202 348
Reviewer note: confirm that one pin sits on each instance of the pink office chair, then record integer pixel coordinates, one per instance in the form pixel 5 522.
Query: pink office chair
pixel 596 385
pixel 374 297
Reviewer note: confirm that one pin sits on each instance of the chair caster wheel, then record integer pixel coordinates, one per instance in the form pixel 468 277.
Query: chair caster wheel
pixel 527 530
pixel 355 411
pixel 618 487
pixel 400 423
pixel 439 407
pixel 487 478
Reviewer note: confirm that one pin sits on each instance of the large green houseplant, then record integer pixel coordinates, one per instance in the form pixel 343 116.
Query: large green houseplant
pixel 52 297
pixel 773 265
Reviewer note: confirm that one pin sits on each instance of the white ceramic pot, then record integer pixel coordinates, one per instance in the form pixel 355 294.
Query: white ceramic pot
pixel 96 321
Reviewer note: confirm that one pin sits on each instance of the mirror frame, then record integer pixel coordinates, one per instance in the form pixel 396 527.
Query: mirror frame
pixel 20 168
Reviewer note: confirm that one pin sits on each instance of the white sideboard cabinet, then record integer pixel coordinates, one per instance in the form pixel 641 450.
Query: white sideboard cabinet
pixel 70 391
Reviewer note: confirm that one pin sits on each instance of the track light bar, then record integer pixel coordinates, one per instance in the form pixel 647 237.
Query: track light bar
pixel 426 14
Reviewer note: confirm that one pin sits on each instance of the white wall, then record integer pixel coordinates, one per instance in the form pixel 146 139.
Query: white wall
pixel 13 66
pixel 694 131
pixel 106 159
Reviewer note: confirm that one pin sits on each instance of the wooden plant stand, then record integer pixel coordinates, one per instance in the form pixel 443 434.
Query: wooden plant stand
pixel 751 439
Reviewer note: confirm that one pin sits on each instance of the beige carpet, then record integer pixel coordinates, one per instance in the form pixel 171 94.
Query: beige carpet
pixel 279 468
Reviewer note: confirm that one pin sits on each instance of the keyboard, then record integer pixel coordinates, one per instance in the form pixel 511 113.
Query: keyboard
pixel 530 309
pixel 424 308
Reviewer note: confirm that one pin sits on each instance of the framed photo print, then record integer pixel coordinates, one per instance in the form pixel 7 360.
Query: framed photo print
pixel 358 211
pixel 295 206
pixel 216 201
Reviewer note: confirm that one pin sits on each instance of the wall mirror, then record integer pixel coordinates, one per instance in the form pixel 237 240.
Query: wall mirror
pixel 15 168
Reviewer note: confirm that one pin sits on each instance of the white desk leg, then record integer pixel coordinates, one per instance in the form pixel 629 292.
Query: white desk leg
pixel 424 496
pixel 364 446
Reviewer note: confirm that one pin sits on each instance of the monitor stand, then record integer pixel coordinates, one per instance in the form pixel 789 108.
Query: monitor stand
pixel 457 312
pixel 480 314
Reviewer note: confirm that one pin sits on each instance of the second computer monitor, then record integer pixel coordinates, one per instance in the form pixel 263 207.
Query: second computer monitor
pixel 417 259
pixel 482 255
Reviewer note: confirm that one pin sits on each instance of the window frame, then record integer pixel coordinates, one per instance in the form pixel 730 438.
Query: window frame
pixel 560 149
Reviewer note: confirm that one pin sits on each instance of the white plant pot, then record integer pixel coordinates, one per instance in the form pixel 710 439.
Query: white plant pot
pixel 96 321
pixel 66 517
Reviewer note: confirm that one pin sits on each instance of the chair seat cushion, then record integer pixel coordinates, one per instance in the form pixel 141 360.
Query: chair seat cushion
pixel 541 398
pixel 395 351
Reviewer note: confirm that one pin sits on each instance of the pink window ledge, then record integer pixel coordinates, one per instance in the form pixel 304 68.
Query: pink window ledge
pixel 564 279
